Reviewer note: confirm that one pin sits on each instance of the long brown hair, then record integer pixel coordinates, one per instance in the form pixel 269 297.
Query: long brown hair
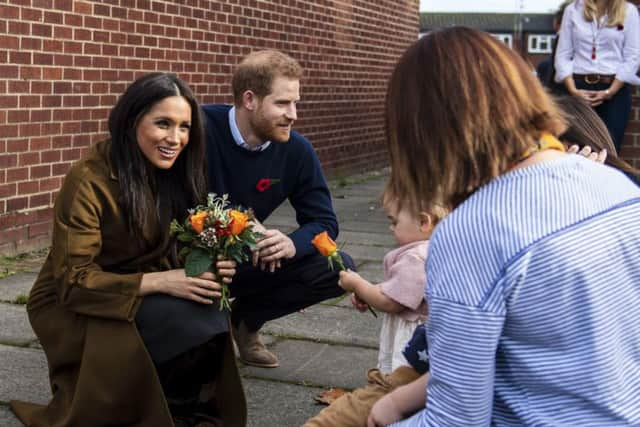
pixel 461 109
pixel 586 128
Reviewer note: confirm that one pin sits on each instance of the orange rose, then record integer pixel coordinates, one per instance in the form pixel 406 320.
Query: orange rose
pixel 239 221
pixel 197 221
pixel 324 244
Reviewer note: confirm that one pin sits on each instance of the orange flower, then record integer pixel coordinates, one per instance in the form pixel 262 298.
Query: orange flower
pixel 239 221
pixel 324 244
pixel 197 221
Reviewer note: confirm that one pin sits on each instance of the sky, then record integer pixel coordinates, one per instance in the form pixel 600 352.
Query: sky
pixel 489 5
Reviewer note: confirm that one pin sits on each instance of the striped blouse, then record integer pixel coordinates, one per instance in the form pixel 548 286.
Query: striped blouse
pixel 534 302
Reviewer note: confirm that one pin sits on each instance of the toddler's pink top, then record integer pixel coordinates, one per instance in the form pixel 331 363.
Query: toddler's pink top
pixel 405 278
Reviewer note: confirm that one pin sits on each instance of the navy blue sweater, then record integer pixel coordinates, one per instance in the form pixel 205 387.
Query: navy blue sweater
pixel 235 171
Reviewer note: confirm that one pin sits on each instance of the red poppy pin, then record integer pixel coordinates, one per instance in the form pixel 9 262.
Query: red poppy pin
pixel 265 183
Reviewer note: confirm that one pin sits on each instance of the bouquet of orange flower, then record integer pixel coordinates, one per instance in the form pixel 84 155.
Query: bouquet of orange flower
pixel 328 248
pixel 211 232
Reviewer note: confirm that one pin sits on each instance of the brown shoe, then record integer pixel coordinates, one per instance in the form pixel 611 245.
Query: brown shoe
pixel 251 349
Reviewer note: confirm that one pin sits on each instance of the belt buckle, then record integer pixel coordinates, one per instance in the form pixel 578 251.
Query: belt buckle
pixel 587 78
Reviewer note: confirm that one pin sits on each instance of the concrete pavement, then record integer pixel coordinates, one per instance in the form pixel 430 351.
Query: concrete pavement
pixel 327 345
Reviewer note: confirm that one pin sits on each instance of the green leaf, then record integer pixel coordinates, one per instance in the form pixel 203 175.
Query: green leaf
pixel 184 252
pixel 198 261
pixel 185 237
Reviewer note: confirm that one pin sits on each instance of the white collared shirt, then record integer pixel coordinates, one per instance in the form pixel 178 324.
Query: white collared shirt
pixel 237 136
pixel 617 48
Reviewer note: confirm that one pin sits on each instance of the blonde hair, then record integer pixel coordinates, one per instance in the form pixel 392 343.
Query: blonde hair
pixel 449 133
pixel 257 71
pixel 435 211
pixel 615 11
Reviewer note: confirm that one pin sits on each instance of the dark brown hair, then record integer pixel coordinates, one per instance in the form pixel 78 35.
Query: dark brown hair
pixel 586 128
pixel 461 109
pixel 257 71
pixel 176 189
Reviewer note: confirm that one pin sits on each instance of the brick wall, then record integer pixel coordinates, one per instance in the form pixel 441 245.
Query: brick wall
pixel 631 146
pixel 64 62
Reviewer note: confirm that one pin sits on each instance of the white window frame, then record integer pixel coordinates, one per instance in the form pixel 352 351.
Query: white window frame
pixel 504 38
pixel 535 40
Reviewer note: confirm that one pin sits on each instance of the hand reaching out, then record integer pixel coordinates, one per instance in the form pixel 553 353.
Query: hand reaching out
pixel 348 280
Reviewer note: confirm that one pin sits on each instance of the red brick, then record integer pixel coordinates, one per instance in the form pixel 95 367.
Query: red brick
pixel 50 184
pixel 28 187
pixel 18 116
pixel 17 174
pixel 29 101
pixel 26 159
pixel 14 235
pixel 40 171
pixel 17 203
pixel 8 101
pixel 10 42
pixel 29 129
pixel 8 160
pixel 9 12
pixel 43 228
pixel 17 145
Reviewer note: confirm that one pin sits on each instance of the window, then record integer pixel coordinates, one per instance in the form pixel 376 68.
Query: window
pixel 504 38
pixel 540 43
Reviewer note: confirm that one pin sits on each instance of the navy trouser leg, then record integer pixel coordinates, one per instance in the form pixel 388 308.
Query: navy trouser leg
pixel 615 112
pixel 261 296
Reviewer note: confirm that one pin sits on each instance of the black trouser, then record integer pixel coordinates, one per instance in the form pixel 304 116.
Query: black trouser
pixel 261 296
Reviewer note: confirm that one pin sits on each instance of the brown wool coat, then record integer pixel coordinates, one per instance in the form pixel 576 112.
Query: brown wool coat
pixel 82 308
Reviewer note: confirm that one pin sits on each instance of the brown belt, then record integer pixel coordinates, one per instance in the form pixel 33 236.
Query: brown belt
pixel 592 79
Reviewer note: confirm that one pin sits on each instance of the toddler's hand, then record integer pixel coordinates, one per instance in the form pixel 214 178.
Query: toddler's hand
pixel 348 280
pixel 360 305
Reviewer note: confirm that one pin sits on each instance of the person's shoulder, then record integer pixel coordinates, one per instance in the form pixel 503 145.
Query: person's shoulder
pixel 215 111
pixel 631 11
pixel 92 171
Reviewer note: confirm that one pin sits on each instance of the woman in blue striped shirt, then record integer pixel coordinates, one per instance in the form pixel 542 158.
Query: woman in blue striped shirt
pixel 524 329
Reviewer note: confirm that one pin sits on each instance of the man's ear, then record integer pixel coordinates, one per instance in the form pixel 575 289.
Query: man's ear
pixel 249 100
pixel 426 222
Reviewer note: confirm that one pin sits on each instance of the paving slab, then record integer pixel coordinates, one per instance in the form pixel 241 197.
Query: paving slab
pixel 7 419
pixel 362 253
pixel 317 364
pixel 23 375
pixel 331 324
pixel 281 404
pixel 13 286
pixel 15 328
pixel 367 238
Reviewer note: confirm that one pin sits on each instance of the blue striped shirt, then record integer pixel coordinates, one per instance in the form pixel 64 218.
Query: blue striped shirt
pixel 534 302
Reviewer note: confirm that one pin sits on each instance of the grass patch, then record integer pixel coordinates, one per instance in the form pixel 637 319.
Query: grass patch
pixel 28 261
pixel 21 299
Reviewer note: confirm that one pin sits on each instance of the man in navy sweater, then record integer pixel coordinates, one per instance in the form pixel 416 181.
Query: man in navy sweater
pixel 255 158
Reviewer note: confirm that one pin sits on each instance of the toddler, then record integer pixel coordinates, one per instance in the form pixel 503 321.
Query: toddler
pixel 401 298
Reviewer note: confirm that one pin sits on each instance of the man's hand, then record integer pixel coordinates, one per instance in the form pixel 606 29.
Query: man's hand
pixel 272 249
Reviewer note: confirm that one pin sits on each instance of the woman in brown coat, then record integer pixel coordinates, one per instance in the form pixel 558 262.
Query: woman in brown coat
pixel 129 339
